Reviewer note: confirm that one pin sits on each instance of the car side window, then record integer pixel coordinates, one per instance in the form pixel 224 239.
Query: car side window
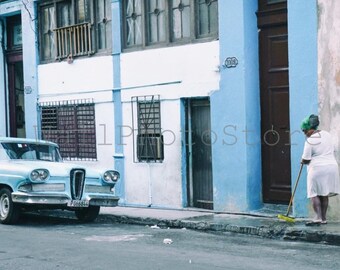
pixel 10 150
pixel 12 154
pixel 29 155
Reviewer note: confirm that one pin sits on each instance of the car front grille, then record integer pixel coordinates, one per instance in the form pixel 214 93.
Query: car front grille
pixel 77 178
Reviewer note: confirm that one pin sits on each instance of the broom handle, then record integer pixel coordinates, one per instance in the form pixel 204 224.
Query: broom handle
pixel 295 186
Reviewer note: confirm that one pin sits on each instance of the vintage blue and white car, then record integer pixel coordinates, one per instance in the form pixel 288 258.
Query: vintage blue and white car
pixel 33 176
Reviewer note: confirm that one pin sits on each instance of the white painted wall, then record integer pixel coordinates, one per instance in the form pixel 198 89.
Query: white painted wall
pixel 196 68
pixel 93 74
pixel 88 78
pixel 329 78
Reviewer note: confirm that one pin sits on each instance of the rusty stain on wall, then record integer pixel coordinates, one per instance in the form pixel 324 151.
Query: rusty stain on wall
pixel 337 78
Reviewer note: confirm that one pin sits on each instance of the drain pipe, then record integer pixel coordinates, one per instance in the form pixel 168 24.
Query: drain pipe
pixel 118 157
pixel 150 186
pixel 2 25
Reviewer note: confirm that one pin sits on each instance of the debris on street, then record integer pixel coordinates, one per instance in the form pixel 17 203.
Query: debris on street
pixel 167 241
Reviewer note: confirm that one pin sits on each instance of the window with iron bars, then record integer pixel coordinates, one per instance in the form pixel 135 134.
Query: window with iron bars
pixel 164 22
pixel 70 28
pixel 70 124
pixel 149 141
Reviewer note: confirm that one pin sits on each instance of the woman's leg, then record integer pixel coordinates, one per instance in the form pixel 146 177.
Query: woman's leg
pixel 316 203
pixel 324 206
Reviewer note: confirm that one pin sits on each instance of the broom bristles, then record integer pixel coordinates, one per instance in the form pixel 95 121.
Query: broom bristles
pixel 286 218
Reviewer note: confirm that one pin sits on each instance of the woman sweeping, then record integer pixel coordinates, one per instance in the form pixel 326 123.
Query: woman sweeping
pixel 322 168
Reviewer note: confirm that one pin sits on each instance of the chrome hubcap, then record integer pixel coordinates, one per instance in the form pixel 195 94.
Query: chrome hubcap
pixel 4 206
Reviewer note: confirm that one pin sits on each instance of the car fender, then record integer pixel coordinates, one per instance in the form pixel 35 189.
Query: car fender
pixel 12 181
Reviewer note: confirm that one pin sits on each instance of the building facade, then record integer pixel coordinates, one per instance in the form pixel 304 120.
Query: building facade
pixel 196 103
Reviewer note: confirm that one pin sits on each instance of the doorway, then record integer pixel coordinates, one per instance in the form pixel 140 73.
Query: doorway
pixel 16 97
pixel 15 73
pixel 200 186
pixel 274 96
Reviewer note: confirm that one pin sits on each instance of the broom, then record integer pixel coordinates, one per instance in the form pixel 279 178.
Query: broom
pixel 286 217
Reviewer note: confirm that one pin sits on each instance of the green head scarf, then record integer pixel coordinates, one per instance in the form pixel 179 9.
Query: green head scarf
pixel 310 122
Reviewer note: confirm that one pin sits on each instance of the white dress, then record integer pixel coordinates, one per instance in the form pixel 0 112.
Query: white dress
pixel 323 171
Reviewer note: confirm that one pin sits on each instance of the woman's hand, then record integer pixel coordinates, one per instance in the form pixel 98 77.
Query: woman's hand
pixel 305 161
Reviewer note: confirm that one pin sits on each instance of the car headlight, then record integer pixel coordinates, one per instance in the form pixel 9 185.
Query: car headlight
pixel 39 175
pixel 111 176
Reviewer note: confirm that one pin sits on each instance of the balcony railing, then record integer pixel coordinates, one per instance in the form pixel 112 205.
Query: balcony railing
pixel 74 40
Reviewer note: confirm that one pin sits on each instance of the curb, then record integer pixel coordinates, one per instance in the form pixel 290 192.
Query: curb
pixel 272 232
pixel 312 236
pixel 280 232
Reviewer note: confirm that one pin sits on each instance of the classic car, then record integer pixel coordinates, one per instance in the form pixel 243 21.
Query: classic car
pixel 33 176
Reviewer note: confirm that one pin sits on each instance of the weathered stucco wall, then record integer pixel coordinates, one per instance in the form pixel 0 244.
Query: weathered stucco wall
pixel 329 79
pixel 154 72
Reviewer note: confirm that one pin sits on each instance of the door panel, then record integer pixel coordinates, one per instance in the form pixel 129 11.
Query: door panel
pixel 275 126
pixel 15 80
pixel 201 170
pixel 16 96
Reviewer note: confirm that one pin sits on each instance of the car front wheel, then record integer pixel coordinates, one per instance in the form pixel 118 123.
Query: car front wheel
pixel 88 214
pixel 9 212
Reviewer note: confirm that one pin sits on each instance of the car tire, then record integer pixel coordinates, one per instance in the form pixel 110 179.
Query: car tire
pixel 88 214
pixel 9 212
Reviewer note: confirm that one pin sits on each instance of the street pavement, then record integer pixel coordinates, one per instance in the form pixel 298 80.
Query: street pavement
pixel 263 224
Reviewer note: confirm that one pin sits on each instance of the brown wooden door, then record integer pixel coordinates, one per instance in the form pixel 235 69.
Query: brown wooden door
pixel 16 95
pixel 274 84
pixel 200 171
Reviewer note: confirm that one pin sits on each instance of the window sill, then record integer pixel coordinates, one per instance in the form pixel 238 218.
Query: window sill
pixel 170 44
pixel 97 54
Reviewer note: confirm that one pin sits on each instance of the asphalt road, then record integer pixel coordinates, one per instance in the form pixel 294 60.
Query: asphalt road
pixel 59 243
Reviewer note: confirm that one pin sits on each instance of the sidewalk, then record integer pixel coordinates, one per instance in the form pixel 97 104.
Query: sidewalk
pixel 264 225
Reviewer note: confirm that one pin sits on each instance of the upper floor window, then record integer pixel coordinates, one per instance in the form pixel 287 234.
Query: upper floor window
pixel 151 22
pixel 14 34
pixel 70 28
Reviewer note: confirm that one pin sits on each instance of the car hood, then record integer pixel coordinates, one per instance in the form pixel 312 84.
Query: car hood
pixel 55 168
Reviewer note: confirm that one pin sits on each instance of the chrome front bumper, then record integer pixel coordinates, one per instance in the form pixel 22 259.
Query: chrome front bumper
pixel 62 200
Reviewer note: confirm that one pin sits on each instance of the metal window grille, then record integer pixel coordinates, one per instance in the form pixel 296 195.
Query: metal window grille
pixel 149 140
pixel 71 124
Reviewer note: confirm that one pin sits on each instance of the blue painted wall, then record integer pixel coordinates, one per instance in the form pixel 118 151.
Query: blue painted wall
pixel 30 62
pixel 252 99
pixel 184 166
pixel 302 46
pixel 116 96
pixel 235 112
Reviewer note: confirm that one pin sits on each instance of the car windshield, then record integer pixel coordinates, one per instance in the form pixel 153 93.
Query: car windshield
pixel 29 151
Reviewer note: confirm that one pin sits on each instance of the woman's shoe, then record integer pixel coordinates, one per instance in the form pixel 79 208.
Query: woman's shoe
pixel 324 222
pixel 314 223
